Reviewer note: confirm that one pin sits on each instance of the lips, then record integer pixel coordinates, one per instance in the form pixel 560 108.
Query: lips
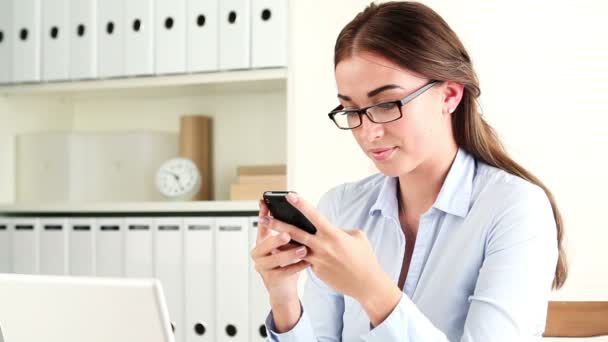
pixel 382 153
pixel 381 149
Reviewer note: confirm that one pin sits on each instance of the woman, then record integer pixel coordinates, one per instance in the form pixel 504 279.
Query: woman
pixel 451 241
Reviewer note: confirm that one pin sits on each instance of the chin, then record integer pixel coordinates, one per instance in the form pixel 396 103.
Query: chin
pixel 396 167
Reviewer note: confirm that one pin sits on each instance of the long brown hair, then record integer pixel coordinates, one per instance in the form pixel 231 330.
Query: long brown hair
pixel 414 36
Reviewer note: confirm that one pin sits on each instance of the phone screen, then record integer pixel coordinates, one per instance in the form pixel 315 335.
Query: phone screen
pixel 283 211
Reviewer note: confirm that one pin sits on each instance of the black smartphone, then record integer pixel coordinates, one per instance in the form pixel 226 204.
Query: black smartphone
pixel 282 210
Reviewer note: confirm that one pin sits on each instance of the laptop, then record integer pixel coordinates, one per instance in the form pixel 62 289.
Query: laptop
pixel 78 309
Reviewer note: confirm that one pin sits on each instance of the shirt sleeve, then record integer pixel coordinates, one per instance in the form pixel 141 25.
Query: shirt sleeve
pixel 514 283
pixel 510 299
pixel 321 317
pixel 322 307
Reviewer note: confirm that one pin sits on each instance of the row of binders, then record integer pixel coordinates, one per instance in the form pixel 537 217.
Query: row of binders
pixel 212 291
pixel 59 40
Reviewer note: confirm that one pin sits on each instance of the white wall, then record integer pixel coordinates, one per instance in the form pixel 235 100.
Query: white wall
pixel 544 77
pixel 319 155
pixel 543 74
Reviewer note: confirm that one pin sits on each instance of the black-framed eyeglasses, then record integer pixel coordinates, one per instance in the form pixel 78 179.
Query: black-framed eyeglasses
pixel 381 113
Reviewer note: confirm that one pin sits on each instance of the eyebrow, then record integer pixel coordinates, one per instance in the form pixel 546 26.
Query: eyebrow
pixel 373 92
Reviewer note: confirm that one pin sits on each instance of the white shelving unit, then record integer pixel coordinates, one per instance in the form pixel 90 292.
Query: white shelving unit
pixel 261 116
pixel 200 208
pixel 272 78
pixel 240 103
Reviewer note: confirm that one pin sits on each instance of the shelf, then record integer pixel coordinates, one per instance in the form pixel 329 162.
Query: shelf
pixel 239 80
pixel 148 208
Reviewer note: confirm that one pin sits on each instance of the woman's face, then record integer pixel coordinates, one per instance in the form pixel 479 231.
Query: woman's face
pixel 401 146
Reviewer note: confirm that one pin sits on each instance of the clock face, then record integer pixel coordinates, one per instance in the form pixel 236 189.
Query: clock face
pixel 178 178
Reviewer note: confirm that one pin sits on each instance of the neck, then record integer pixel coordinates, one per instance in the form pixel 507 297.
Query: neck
pixel 420 187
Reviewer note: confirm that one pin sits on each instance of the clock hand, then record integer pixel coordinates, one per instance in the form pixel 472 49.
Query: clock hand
pixel 175 175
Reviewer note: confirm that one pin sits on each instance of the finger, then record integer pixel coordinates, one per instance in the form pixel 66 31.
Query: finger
pixel 356 233
pixel 281 259
pixel 292 269
pixel 310 211
pixel 263 232
pixel 296 233
pixel 265 247
pixel 264 211
pixel 285 247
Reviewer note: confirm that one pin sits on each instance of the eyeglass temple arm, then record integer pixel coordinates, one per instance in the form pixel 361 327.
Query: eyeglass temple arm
pixel 415 94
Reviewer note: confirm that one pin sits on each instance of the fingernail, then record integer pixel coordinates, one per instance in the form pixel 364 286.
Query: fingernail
pixel 292 198
pixel 264 220
pixel 301 251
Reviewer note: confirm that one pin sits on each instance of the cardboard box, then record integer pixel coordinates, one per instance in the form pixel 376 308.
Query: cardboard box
pixel 246 192
pixel 256 179
pixel 253 170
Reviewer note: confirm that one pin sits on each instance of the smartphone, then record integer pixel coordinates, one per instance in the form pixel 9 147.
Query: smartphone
pixel 282 210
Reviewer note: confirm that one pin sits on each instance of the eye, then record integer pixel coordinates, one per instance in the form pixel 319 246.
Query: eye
pixel 349 114
pixel 387 105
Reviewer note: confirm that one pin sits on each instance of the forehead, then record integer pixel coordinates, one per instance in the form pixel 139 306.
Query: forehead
pixel 362 72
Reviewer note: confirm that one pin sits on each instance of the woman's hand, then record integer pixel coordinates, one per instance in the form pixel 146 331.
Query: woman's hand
pixel 344 260
pixel 279 265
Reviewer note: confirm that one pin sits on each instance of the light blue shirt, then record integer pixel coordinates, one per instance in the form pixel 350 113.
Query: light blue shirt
pixel 482 267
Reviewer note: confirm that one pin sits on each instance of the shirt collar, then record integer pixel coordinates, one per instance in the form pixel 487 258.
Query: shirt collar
pixel 386 203
pixel 454 197
pixel 455 194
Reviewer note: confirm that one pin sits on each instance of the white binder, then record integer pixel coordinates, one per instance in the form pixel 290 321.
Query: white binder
pixel 269 33
pixel 6 41
pixel 6 264
pixel 170 31
pixel 139 33
pixel 232 279
pixel 53 246
pixel 83 39
pixel 81 244
pixel 110 38
pixel 259 306
pixel 235 31
pixel 55 40
pixel 138 248
pixel 168 264
pixel 25 245
pixel 203 34
pixel 199 275
pixel 26 43
pixel 109 247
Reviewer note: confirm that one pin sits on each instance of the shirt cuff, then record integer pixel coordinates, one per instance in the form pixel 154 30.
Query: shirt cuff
pixel 391 329
pixel 302 331
pixel 405 323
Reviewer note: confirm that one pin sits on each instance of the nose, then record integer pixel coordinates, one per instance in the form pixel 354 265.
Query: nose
pixel 371 131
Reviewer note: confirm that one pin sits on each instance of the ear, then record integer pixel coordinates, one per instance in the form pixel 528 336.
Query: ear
pixel 452 94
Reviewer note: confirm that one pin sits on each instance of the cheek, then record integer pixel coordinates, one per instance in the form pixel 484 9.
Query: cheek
pixel 413 133
pixel 358 137
pixel 418 134
pixel 427 122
